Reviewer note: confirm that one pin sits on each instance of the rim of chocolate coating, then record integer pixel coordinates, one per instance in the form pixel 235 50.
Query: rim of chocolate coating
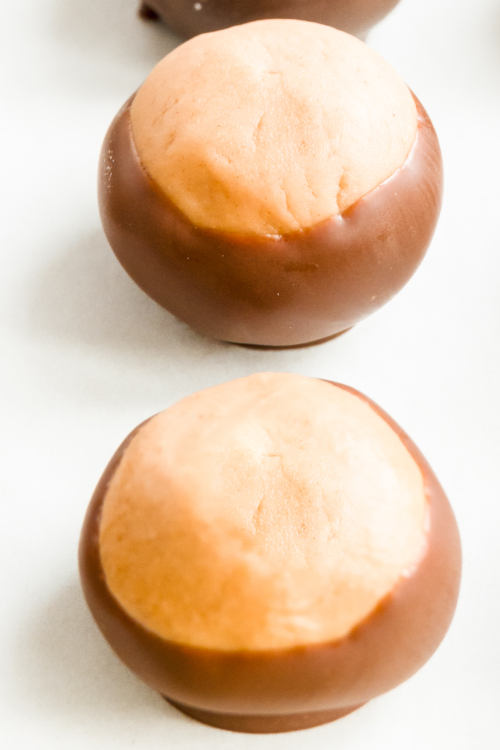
pixel 299 288
pixel 386 648
pixel 354 16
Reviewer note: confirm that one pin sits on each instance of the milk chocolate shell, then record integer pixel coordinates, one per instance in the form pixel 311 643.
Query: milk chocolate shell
pixel 286 689
pixel 296 289
pixel 187 18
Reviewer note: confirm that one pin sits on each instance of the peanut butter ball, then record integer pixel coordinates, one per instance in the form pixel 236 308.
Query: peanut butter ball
pixel 271 128
pixel 272 183
pixel 188 18
pixel 260 526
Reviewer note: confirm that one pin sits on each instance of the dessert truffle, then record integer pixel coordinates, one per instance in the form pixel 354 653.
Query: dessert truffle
pixel 187 18
pixel 271 553
pixel 271 184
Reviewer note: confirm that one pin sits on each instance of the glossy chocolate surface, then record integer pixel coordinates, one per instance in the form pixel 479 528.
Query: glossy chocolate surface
pixel 188 18
pixel 295 289
pixel 279 690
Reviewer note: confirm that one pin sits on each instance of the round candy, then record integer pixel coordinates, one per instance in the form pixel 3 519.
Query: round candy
pixel 271 184
pixel 271 553
pixel 188 18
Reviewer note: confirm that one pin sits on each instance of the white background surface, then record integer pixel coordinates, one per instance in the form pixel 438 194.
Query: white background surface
pixel 86 356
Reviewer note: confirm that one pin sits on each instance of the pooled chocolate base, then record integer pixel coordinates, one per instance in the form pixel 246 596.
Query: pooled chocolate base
pixel 294 346
pixel 291 290
pixel 264 724
pixel 281 690
pixel 188 17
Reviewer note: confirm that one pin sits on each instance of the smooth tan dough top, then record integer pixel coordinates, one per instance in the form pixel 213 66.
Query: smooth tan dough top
pixel 273 126
pixel 268 512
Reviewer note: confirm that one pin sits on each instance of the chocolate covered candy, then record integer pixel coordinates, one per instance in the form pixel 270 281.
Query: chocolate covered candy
pixel 271 553
pixel 271 184
pixel 188 18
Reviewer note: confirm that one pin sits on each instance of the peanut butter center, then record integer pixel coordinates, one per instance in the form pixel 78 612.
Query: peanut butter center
pixel 268 512
pixel 271 127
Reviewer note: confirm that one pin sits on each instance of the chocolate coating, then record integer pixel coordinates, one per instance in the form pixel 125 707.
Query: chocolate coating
pixel 295 289
pixel 280 690
pixel 185 19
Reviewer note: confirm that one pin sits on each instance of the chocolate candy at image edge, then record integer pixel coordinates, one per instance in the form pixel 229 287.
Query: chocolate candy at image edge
pixel 190 17
pixel 283 690
pixel 297 289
